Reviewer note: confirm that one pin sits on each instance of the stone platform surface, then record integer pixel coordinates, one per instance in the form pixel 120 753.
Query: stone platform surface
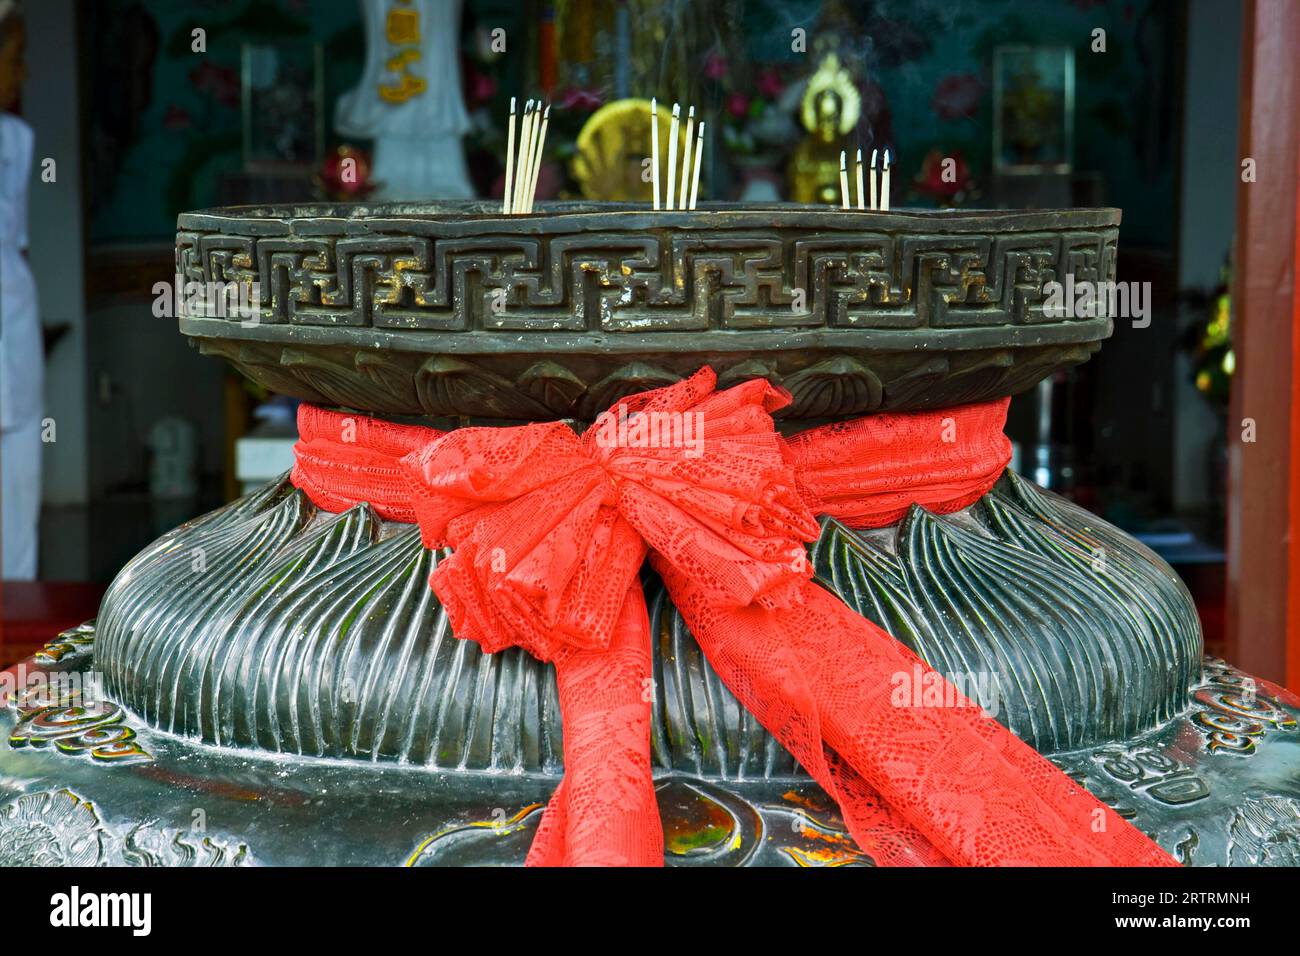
pixel 119 793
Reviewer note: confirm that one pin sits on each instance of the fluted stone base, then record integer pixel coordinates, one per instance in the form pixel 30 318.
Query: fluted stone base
pixel 282 688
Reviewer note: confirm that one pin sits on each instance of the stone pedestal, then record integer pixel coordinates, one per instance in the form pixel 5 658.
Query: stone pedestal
pixel 280 685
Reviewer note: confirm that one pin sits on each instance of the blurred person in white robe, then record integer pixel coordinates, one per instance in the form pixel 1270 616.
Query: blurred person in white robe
pixel 21 350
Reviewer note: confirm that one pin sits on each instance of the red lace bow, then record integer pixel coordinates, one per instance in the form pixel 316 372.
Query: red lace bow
pixel 549 530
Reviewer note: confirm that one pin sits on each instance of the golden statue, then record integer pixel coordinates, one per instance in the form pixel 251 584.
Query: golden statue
pixel 613 148
pixel 829 110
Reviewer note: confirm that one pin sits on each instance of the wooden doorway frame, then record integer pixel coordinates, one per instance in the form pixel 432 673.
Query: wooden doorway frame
pixel 1263 588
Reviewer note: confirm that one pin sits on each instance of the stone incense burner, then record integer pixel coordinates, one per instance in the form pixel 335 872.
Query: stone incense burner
pixel 302 694
pixel 459 311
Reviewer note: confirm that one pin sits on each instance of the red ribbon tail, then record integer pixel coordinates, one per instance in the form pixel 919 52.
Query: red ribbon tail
pixel 913 782
pixel 604 812
pixel 548 847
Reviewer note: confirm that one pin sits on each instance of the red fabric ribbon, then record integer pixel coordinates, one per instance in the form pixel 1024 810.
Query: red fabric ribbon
pixel 549 530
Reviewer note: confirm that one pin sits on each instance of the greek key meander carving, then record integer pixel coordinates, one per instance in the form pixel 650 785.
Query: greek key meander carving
pixel 698 280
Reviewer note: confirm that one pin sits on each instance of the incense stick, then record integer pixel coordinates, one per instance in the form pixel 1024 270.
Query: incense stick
pixel 654 146
pixel 874 203
pixel 537 159
pixel 862 195
pixel 844 180
pixel 525 160
pixel 672 153
pixel 521 164
pixel 526 197
pixel 510 161
pixel 699 151
pixel 884 185
pixel 684 194
pixel 519 156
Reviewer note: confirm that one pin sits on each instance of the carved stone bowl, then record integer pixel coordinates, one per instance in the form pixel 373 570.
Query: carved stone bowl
pixel 453 309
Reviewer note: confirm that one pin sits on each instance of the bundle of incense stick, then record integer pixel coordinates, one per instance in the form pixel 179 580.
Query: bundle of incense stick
pixel 685 196
pixel 883 204
pixel 523 167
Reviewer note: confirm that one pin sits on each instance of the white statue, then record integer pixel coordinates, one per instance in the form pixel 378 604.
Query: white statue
pixel 409 100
